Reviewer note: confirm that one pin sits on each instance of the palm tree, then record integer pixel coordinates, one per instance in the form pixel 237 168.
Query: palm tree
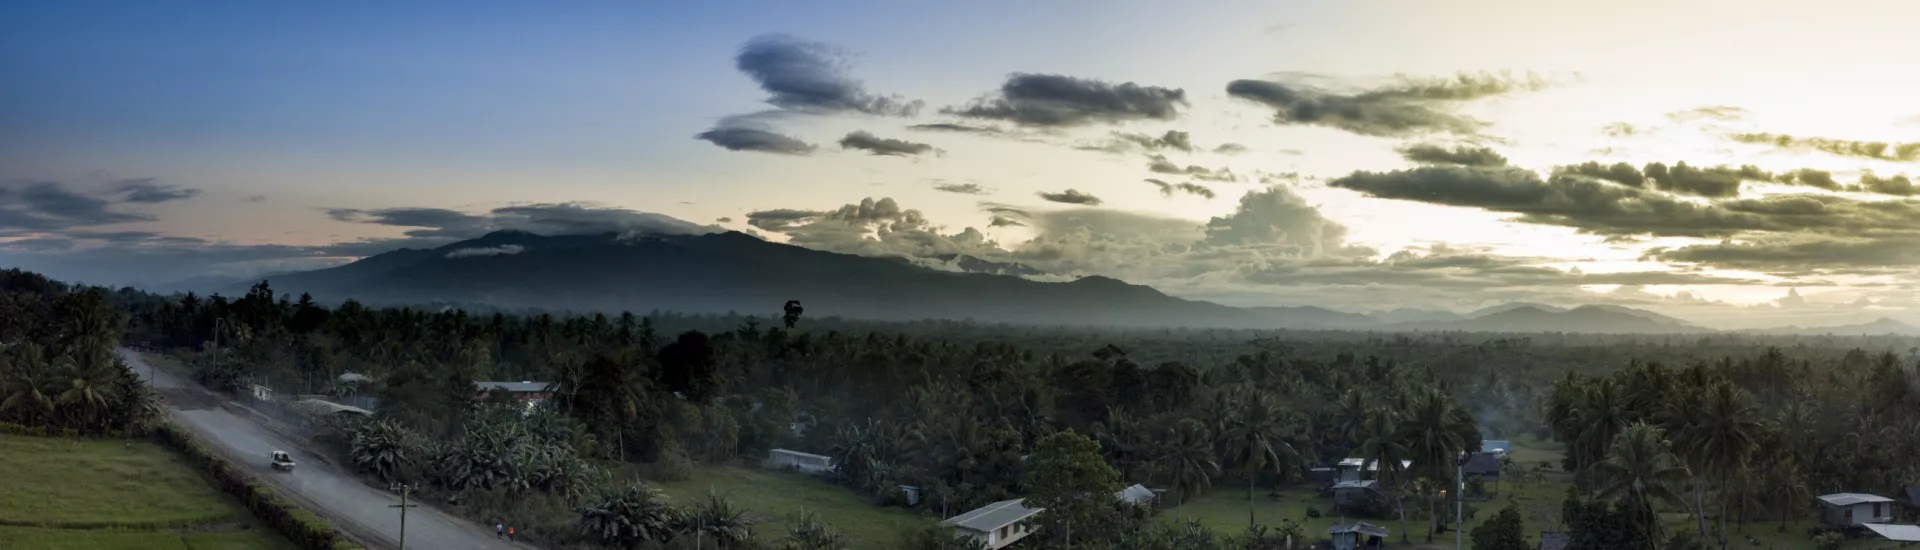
pixel 29 392
pixel 1186 455
pixel 809 533
pixel 1600 415
pixel 1725 432
pixel 1255 433
pixel 88 375
pixel 1640 468
pixel 1383 451
pixel 1431 433
pixel 717 519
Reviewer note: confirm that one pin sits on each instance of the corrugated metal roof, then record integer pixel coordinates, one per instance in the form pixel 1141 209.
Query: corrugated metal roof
pixel 1361 484
pixel 992 516
pixel 1550 540
pixel 1358 527
pixel 328 407
pixel 1849 499
pixel 1356 462
pixel 798 453
pixel 1483 464
pixel 515 387
pixel 1904 533
pixel 1135 494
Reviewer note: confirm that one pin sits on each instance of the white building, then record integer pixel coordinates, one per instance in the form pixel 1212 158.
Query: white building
pixel 1854 509
pixel 995 525
pixel 1350 469
pixel 783 459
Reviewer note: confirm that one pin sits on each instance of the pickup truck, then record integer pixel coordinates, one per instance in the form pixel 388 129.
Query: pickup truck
pixel 282 461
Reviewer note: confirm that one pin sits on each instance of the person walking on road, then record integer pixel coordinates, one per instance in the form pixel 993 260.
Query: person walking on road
pixel 499 530
pixel 509 533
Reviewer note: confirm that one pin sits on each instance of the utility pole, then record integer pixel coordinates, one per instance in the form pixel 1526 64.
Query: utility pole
pixel 403 506
pixel 1459 500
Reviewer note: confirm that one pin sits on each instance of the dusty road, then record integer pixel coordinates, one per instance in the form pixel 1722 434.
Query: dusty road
pixel 352 506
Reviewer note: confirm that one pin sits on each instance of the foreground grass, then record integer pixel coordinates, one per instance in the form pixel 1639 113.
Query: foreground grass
pixel 76 493
pixel 776 497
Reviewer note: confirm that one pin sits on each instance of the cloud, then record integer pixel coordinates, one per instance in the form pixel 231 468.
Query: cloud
pixel 960 128
pixel 780 218
pixel 47 206
pixel 1716 112
pixel 1169 189
pixel 1047 100
pixel 723 219
pixel 1004 221
pixel 1800 255
pixel 1173 139
pixel 256 199
pixel 1897 152
pixel 1070 196
pixel 1464 155
pixel 883 146
pixel 968 188
pixel 1407 108
pixel 145 191
pixel 809 76
pixel 503 250
pixel 872 228
pixel 1159 164
pixel 743 133
pixel 1276 217
pixel 574 218
pixel 1230 149
pixel 1893 185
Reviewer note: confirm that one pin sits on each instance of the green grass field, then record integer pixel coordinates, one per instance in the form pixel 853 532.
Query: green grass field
pixel 776 496
pixel 75 493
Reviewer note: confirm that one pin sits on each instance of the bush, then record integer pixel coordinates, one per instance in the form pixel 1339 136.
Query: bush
pixel 297 524
pixel 674 465
pixel 1313 511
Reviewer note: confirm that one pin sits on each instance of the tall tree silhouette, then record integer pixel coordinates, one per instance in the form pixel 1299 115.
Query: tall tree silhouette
pixel 792 313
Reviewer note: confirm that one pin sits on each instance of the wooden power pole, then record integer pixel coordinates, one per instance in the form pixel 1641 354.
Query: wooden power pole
pixel 403 506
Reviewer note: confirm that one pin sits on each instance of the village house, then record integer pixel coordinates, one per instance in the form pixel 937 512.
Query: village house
pixel 1359 534
pixel 1350 469
pixel 995 525
pixel 1483 467
pixel 1850 510
pixel 784 459
pixel 1355 494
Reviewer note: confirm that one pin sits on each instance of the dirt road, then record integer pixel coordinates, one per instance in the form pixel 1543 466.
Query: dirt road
pixel 363 512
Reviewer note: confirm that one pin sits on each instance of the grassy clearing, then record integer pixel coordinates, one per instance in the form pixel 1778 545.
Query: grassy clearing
pixel 776 496
pixel 75 493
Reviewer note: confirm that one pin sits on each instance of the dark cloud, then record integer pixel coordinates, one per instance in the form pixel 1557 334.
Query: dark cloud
pixel 1898 152
pixel 1003 221
pixel 48 206
pixel 1004 210
pixel 1159 164
pixel 1607 208
pixel 145 191
pixel 1800 255
pixel 544 219
pixel 1715 181
pixel 1411 107
pixel 883 146
pixel 256 199
pixel 1169 189
pixel 1464 155
pixel 780 218
pixel 1173 139
pixel 960 128
pixel 1230 149
pixel 723 219
pixel 968 188
pixel 745 133
pixel 1070 196
pixel 803 75
pixel 1058 100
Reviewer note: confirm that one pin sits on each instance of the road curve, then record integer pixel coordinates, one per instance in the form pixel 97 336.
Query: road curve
pixel 362 511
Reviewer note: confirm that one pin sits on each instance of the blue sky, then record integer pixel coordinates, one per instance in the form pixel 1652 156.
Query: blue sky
pixel 284 135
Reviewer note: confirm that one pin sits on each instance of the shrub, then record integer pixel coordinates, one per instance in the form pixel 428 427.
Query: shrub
pixel 1313 511
pixel 673 465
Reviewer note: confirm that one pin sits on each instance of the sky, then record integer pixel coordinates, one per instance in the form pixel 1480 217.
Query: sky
pixel 1355 154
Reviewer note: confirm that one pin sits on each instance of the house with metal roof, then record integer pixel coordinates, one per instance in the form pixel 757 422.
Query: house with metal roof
pixel 1854 509
pixel 1555 540
pixel 1349 494
pixel 995 525
pixel 1902 533
pixel 1359 534
pixel 783 459
pixel 1136 495
pixel 1350 468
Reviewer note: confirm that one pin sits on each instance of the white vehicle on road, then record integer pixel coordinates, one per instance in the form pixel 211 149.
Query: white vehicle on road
pixel 282 461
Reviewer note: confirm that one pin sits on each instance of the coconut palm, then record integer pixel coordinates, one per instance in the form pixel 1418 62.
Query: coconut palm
pixel 717 519
pixel 1186 455
pixel 1640 469
pixel 1725 432
pixel 1382 450
pixel 1256 437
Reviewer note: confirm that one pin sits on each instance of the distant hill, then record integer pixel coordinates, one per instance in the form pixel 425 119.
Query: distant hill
pixel 1879 326
pixel 736 272
pixel 722 272
pixel 1538 318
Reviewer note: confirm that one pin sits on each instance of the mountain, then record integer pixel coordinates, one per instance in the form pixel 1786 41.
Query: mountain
pixel 1411 315
pixel 1879 326
pixel 1510 306
pixel 722 272
pixel 1312 317
pixel 1523 317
